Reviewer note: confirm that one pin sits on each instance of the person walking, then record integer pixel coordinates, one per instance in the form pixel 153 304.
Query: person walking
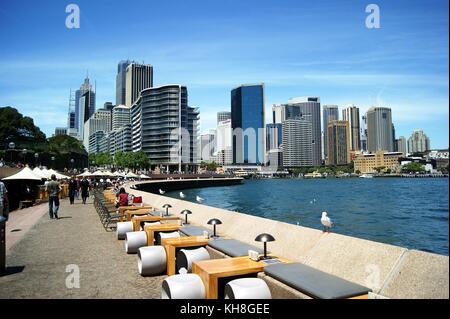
pixel 84 185
pixel 4 209
pixel 72 190
pixel 53 189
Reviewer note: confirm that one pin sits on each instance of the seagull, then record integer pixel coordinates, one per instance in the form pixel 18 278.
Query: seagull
pixel 161 191
pixel 199 199
pixel 182 195
pixel 326 222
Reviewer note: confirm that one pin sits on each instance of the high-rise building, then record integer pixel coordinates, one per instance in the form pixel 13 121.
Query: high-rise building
pixel 418 142
pixel 99 121
pixel 224 144
pixel 121 81
pixel 248 124
pixel 338 141
pixel 297 143
pixel 60 131
pixel 223 116
pixel 401 145
pixel 95 141
pixel 138 78
pixel 274 136
pixel 121 116
pixel 307 108
pixel 165 127
pixel 86 105
pixel 277 110
pixel 351 115
pixel 379 129
pixel 329 113
pixel 208 146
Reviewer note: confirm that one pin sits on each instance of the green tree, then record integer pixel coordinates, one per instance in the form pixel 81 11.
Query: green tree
pixel 379 169
pixel 413 167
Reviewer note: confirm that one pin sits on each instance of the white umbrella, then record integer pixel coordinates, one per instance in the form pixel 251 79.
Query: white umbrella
pixel 116 173
pixel 45 172
pixel 85 174
pixel 143 176
pixel 109 174
pixel 98 173
pixel 25 173
pixel 40 173
pixel 58 175
pixel 131 175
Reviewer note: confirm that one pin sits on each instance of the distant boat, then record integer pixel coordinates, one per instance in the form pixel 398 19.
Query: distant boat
pixel 242 173
pixel 182 195
pixel 366 176
pixel 161 192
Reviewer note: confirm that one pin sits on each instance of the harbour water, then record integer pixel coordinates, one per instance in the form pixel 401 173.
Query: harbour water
pixel 411 213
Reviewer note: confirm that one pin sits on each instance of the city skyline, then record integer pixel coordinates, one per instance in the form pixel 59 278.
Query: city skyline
pixel 367 70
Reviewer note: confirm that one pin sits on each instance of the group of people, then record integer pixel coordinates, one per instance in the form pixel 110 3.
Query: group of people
pixel 77 186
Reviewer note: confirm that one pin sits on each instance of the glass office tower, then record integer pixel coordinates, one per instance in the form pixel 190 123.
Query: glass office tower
pixel 247 114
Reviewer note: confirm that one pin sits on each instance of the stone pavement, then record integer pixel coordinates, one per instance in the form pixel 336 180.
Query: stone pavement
pixel 37 263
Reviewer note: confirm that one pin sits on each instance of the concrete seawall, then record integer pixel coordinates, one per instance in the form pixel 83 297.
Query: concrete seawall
pixel 390 271
pixel 179 184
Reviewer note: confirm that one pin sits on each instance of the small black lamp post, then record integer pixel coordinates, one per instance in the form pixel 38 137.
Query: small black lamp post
pixel 186 212
pixel 265 238
pixel 36 156
pixel 214 222
pixel 167 206
pixel 53 162
pixel 11 146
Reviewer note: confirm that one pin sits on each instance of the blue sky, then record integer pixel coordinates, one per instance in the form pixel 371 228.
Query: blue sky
pixel 297 48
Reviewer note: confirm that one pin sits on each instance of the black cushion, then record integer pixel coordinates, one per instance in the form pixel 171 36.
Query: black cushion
pixel 190 230
pixel 233 247
pixel 313 282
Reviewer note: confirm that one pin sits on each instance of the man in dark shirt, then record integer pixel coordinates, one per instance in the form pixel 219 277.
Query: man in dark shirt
pixel 84 189
pixel 53 189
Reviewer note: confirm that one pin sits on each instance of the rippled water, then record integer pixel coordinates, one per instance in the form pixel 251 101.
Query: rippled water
pixel 411 213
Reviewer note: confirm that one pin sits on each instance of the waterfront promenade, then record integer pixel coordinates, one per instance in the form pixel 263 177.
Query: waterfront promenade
pixel 49 246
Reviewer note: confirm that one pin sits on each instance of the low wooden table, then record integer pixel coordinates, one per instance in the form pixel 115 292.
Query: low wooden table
pixel 122 210
pixel 211 270
pixel 138 219
pixel 151 229
pixel 172 244
pixel 129 214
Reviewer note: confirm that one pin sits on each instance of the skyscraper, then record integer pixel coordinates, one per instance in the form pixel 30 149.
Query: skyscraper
pixel 223 116
pixel 338 141
pixel 86 106
pixel 165 127
pixel 297 146
pixel 330 113
pixel 274 136
pixel 379 129
pixel 99 121
pixel 418 142
pixel 208 146
pixel 309 109
pixel 138 78
pixel 121 116
pixel 351 115
pixel 248 124
pixel 224 143
pixel 121 81
pixel 401 145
